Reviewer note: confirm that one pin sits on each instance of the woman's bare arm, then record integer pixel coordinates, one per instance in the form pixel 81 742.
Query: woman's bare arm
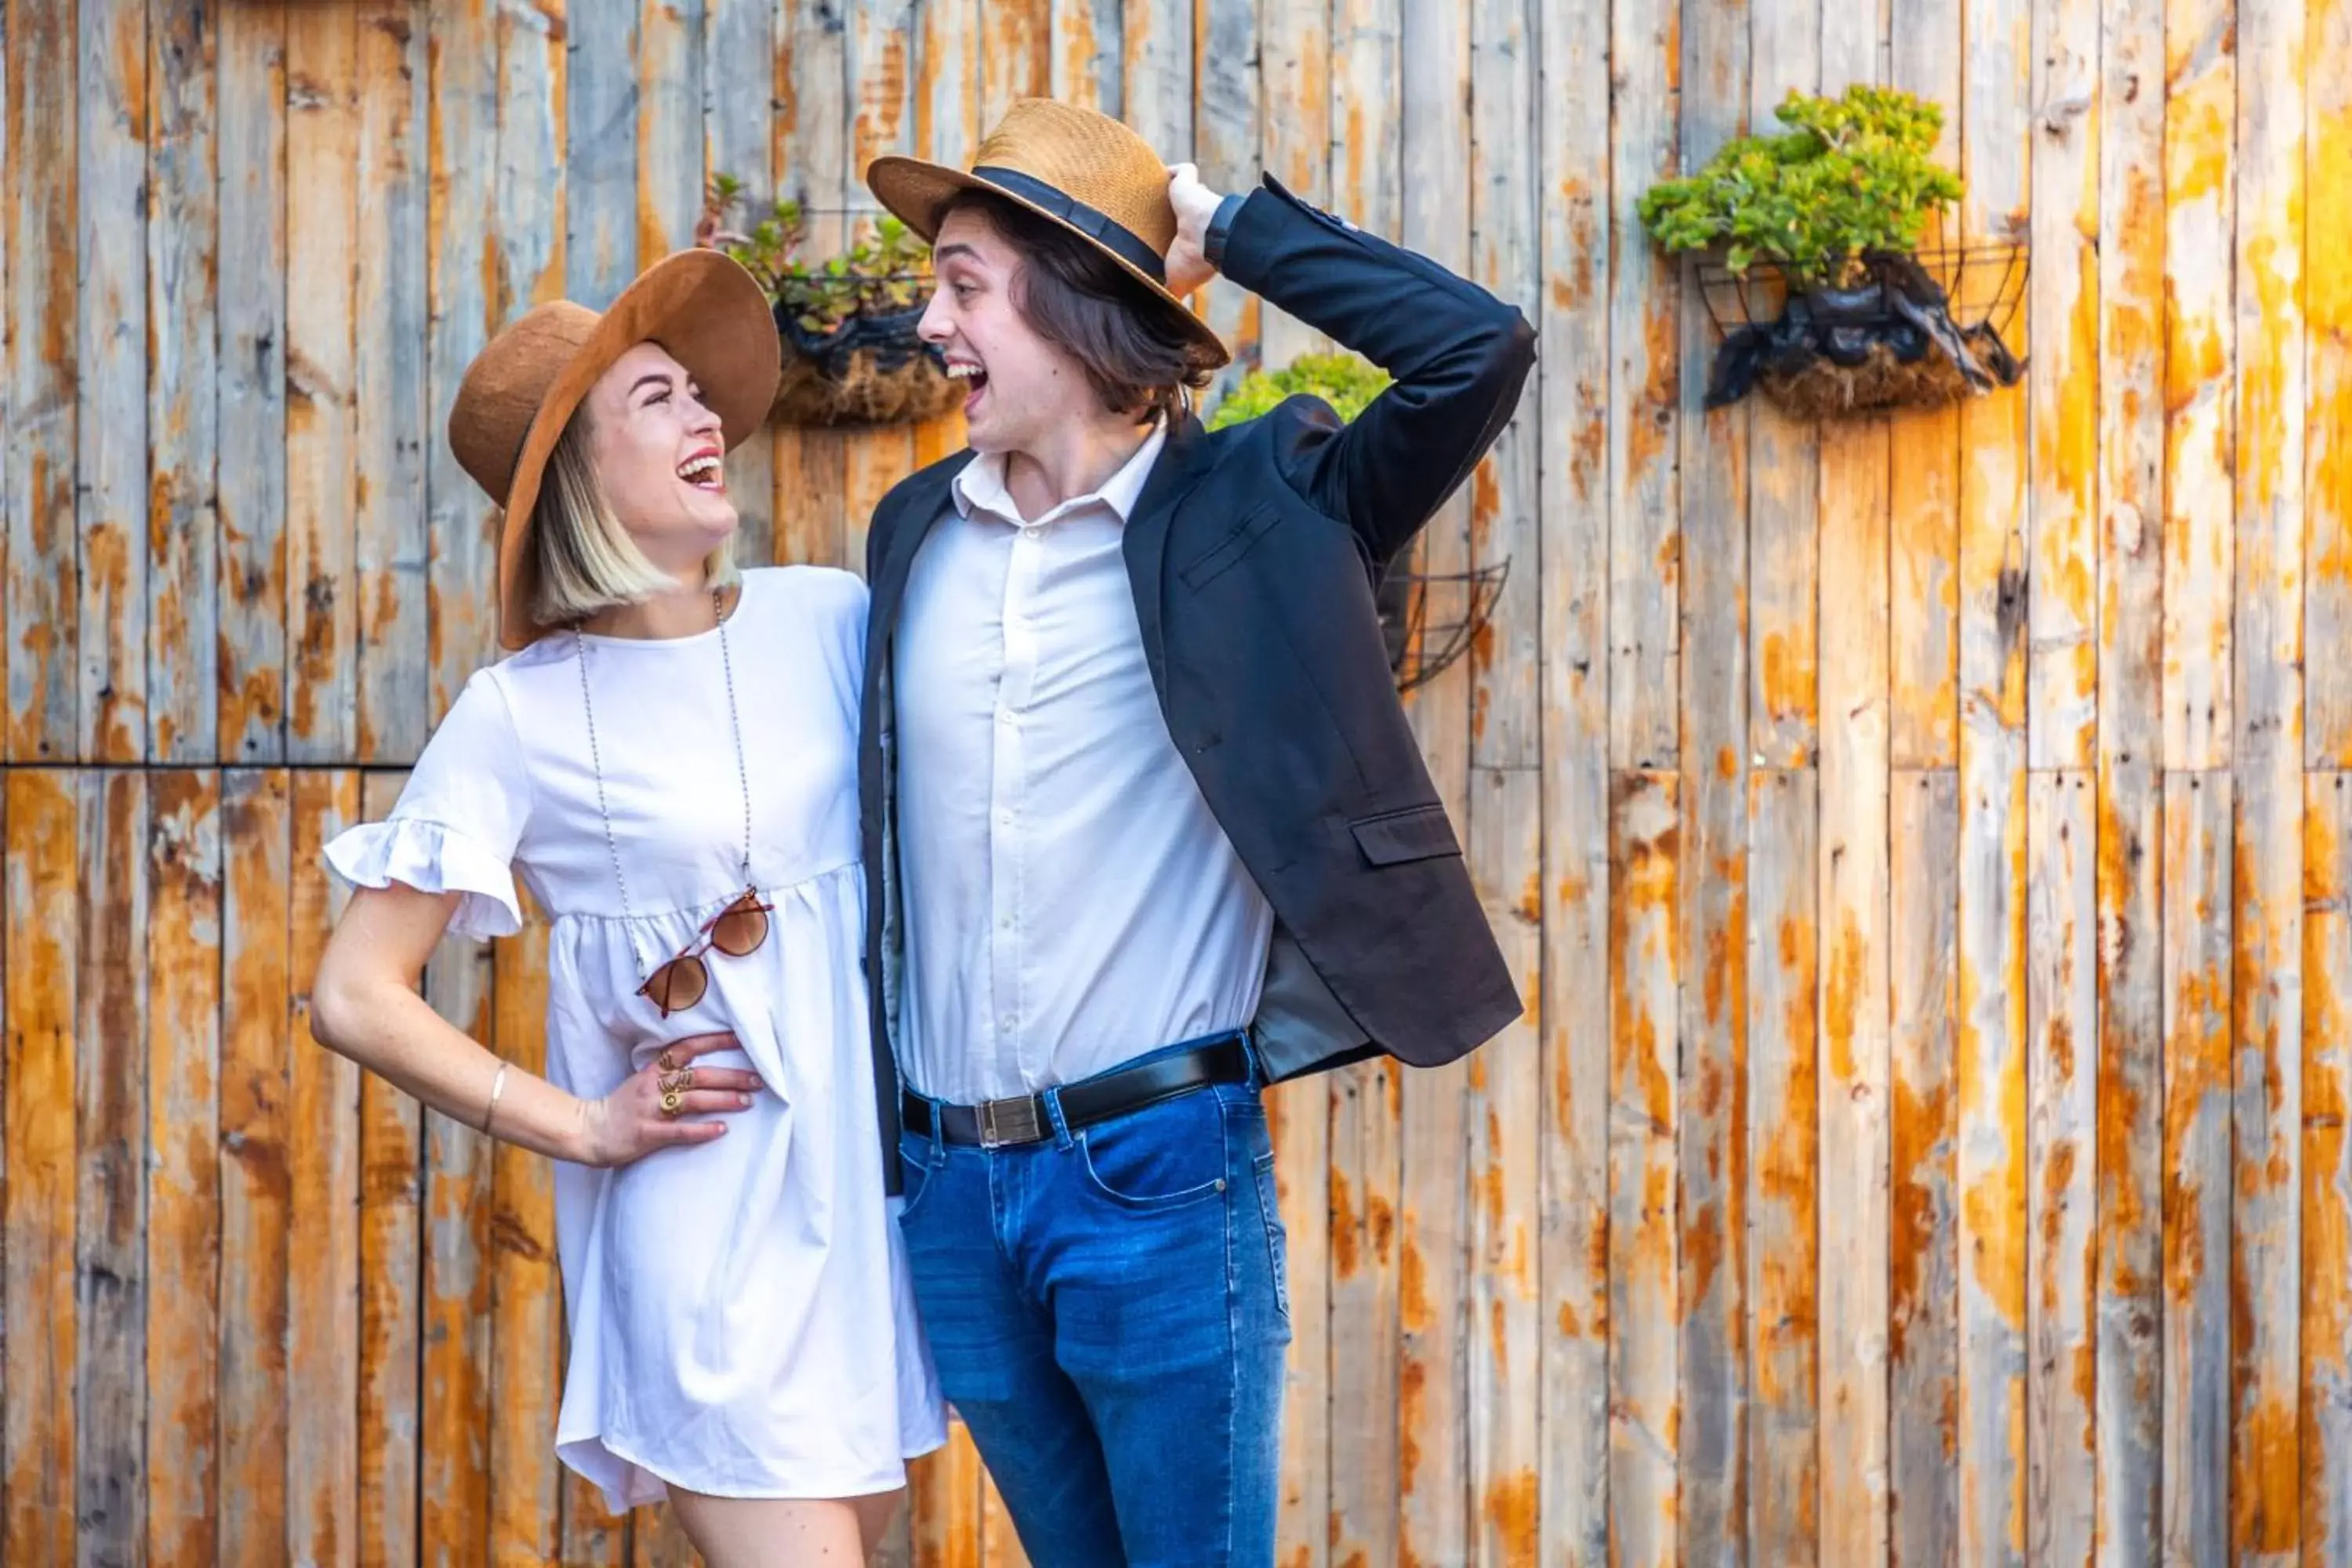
pixel 364 1006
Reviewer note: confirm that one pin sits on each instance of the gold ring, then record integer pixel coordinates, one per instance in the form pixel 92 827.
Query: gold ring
pixel 682 1078
pixel 671 1102
pixel 667 1062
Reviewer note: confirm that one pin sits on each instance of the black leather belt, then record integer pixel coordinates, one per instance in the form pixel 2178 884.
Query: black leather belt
pixel 1023 1120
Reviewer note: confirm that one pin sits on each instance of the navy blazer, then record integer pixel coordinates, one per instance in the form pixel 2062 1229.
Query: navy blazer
pixel 1255 553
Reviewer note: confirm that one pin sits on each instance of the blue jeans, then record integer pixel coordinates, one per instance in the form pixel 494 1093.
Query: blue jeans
pixel 1107 1313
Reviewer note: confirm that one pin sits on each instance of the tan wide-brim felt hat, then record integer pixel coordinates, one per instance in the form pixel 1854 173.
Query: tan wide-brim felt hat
pixel 701 306
pixel 1073 166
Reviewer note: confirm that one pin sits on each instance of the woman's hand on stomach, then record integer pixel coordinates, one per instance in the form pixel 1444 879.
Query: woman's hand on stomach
pixel 668 1102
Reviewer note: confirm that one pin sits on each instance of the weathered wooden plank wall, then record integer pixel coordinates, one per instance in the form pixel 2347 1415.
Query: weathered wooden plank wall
pixel 1925 845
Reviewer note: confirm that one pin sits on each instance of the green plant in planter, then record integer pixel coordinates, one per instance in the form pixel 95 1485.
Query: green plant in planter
pixel 1347 382
pixel 876 277
pixel 1851 176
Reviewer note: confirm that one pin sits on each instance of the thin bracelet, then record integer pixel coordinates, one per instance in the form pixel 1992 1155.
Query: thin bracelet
pixel 498 1087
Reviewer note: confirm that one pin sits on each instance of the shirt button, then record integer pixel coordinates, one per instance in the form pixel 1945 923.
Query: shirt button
pixel 1031 531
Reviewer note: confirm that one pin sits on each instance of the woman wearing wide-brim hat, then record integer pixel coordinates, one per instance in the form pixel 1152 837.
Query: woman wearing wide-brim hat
pixel 668 757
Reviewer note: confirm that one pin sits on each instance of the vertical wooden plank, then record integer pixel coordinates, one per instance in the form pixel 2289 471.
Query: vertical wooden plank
pixel 531 264
pixel 466 253
pixel 2062 300
pixel 184 1175
pixel 1855 982
pixel 1994 565
pixel 2061 1091
pixel 948 130
pixel 1853 1082
pixel 600 148
pixel 516 1269
pixel 1923 528
pixel 1367 1158
pixel 1505 834
pixel 1644 971
pixel 1300 1116
pixel 110 1228
pixel 1226 135
pixel 2130 1373
pixel 392 541
pixel 657 1540
pixel 2201 73
pixel 1644 543
pixel 739 134
pixel 2197 1306
pixel 1433 1452
pixel 1784 458
pixel 1571 408
pixel 1155 69
pixel 2326 1296
pixel 43 941
pixel 1784 1195
pixel 1295 127
pixel 252 405
pixel 1923 1340
pixel 256 1175
pixel 881 80
pixel 42 593
pixel 2266 703
pixel 592 1533
pixel 670 134
pixel 1000 1547
pixel 2327 435
pixel 389 1271
pixel 1018 59
pixel 812 161
pixel 111 469
pixel 322 137
pixel 1713 1118
pixel 1086 35
pixel 323 1340
pixel 944 1490
pixel 183 272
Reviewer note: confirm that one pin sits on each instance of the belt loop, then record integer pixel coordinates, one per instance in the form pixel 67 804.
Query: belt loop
pixel 1248 1035
pixel 1051 1099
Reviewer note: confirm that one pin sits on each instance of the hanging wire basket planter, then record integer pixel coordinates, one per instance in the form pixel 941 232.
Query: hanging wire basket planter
pixel 1429 619
pixel 851 352
pixel 1920 329
pixel 870 369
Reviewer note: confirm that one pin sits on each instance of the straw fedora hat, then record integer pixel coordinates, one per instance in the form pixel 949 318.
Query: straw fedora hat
pixel 522 389
pixel 1083 171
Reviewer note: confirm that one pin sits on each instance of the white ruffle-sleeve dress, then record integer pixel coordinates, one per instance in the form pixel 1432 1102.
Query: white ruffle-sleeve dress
pixel 740 1319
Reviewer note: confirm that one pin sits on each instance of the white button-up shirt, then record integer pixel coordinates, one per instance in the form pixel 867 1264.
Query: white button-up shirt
pixel 1071 903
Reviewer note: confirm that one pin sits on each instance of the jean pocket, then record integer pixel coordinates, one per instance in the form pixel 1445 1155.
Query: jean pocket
pixel 915 1174
pixel 1160 1158
pixel 1277 1237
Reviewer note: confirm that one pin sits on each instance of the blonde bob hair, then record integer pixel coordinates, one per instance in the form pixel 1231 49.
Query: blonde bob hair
pixel 584 560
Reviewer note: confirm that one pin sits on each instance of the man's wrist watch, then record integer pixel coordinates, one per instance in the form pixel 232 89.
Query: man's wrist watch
pixel 1212 243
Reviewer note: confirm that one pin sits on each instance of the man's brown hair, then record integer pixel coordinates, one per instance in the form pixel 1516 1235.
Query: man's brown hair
pixel 1135 348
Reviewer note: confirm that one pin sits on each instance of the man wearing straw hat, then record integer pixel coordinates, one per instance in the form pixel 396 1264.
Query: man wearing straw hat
pixel 1145 827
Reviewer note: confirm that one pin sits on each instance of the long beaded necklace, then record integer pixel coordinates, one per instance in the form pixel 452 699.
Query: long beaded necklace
pixel 596 762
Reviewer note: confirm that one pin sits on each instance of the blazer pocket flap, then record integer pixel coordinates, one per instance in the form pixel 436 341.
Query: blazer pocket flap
pixel 1416 833
pixel 1197 571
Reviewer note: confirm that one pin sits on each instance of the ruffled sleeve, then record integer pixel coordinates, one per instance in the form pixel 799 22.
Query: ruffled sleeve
pixel 458 819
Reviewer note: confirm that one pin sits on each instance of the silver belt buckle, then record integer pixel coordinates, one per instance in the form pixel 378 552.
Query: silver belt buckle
pixel 1004 1122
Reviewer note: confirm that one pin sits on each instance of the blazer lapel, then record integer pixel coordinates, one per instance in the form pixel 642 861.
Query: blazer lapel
pixel 921 507
pixel 1182 463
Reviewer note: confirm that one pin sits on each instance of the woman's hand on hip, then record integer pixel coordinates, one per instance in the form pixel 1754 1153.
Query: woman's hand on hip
pixel 668 1102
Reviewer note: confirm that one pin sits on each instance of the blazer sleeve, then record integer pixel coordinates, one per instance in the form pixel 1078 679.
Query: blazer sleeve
pixel 1459 357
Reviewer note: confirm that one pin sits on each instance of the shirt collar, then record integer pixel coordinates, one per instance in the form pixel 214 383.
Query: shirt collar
pixel 980 487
